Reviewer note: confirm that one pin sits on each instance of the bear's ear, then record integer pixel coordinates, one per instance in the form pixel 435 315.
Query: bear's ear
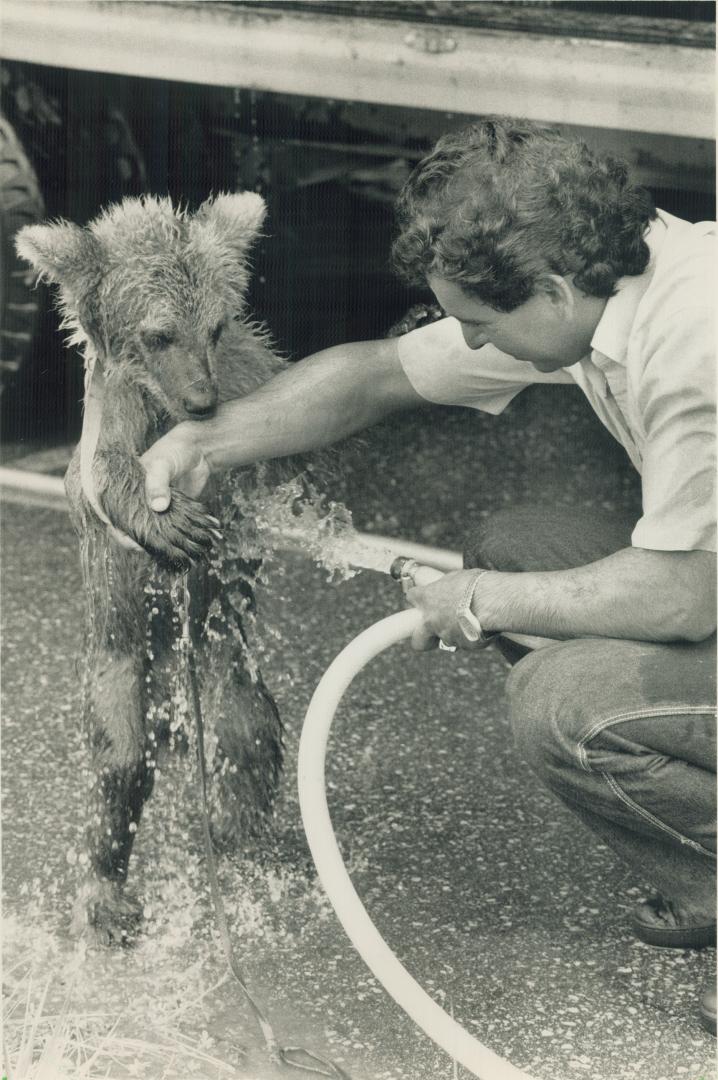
pixel 236 219
pixel 62 253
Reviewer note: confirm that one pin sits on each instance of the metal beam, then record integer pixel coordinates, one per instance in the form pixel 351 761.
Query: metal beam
pixel 665 89
pixel 544 17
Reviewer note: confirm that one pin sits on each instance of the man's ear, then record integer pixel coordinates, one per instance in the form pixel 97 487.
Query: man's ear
pixel 62 253
pixel 559 292
pixel 233 220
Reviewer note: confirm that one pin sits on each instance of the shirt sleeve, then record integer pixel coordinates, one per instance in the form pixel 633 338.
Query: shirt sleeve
pixel 442 368
pixel 677 403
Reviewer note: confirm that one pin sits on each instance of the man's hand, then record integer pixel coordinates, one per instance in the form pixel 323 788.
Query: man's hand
pixel 636 593
pixel 439 604
pixel 175 461
pixel 176 538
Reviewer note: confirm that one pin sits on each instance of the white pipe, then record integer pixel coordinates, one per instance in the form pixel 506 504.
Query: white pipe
pixel 25 480
pixel 50 491
pixel 396 980
pixel 32 482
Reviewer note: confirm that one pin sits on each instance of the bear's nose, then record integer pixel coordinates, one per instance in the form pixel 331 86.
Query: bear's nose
pixel 200 401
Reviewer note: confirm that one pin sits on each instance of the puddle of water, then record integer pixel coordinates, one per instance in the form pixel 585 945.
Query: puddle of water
pixel 166 1007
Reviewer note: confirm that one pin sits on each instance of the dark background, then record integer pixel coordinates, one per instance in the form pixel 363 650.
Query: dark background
pixel 330 171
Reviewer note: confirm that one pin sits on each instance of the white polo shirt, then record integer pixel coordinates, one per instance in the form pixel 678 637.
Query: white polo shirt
pixel 650 377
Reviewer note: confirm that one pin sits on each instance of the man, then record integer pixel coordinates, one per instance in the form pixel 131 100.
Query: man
pixel 551 267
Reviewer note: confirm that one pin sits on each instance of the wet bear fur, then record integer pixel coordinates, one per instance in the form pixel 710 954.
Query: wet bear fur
pixel 157 296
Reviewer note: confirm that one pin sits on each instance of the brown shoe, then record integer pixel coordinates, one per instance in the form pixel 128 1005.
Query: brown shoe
pixel 707 1010
pixel 671 937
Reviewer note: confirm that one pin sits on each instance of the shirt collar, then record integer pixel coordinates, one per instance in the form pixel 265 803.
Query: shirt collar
pixel 610 338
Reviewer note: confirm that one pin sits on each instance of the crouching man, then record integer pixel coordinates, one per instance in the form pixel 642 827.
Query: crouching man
pixel 552 267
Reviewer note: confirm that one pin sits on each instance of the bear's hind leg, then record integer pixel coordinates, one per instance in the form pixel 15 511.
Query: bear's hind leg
pixel 248 758
pixel 122 781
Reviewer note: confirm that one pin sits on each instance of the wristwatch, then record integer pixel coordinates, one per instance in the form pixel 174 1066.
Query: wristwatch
pixel 468 622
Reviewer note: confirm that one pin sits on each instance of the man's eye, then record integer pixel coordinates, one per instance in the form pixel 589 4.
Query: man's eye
pixel 157 340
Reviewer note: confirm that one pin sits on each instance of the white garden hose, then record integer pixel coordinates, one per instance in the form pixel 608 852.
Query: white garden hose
pixel 396 980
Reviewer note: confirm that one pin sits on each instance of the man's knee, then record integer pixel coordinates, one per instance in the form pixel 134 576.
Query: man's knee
pixel 545 707
pixel 535 537
pixel 500 542
pixel 563 697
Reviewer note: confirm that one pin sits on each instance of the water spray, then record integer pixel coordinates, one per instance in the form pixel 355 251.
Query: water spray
pixel 366 939
pixel 366 552
pixel 293 1057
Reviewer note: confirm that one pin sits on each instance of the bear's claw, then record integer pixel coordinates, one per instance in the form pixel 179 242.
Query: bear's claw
pixel 179 536
pixel 106 914
pixel 176 537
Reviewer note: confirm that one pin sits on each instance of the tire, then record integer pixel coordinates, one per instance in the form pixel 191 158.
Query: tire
pixel 21 203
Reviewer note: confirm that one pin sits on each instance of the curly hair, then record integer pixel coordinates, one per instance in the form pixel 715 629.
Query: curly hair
pixel 499 204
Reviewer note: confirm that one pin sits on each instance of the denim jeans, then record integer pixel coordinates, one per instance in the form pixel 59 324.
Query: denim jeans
pixel 623 732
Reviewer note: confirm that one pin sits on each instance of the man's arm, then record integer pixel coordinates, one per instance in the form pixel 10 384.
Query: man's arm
pixel 314 403
pixel 635 593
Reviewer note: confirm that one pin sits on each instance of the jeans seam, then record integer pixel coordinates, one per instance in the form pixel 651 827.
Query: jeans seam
pixel 637 714
pixel 648 816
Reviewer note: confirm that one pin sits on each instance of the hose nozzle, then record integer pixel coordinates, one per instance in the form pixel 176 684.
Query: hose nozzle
pixel 403 567
pixel 410 572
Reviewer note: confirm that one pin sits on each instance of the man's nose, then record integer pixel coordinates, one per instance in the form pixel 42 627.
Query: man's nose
pixel 474 338
pixel 200 399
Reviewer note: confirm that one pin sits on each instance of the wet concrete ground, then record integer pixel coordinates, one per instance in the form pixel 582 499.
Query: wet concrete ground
pixel 491 894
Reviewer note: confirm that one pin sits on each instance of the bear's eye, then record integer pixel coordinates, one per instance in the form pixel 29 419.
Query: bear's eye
pixel 216 333
pixel 156 339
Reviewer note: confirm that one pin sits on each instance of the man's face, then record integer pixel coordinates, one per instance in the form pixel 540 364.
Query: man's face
pixel 546 331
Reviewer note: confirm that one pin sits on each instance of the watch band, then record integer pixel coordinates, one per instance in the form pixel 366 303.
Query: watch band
pixel 469 624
